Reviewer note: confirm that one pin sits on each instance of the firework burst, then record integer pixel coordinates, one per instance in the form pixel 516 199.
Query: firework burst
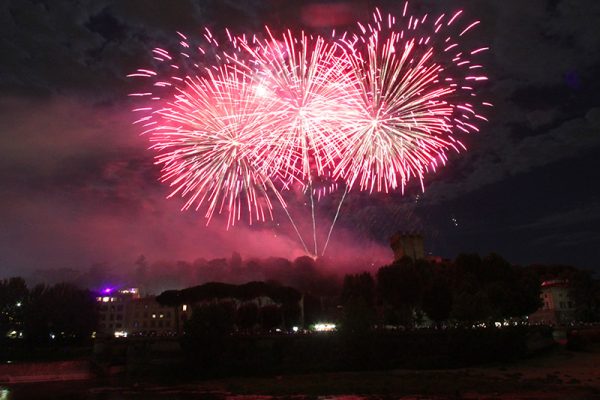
pixel 369 111
pixel 306 76
pixel 207 131
pixel 415 92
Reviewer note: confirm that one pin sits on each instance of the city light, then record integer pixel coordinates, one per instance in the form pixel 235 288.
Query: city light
pixel 120 334
pixel 325 327
pixel 129 291
pixel 4 394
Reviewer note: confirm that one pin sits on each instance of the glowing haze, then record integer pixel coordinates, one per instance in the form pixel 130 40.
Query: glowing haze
pixel 239 125
pixel 80 187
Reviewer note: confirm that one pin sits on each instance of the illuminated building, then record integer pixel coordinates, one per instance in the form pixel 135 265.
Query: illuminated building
pixel 123 313
pixel 557 306
pixel 112 310
pixel 407 245
pixel 149 318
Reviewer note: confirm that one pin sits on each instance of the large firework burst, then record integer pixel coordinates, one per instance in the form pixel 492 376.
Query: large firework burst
pixel 369 111
pixel 306 76
pixel 415 92
pixel 208 132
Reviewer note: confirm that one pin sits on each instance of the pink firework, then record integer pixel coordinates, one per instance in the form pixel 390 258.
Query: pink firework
pixel 208 132
pixel 369 111
pixel 306 76
pixel 416 90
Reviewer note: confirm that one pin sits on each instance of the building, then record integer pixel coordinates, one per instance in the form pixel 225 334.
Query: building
pixel 407 245
pixel 112 310
pixel 557 306
pixel 124 313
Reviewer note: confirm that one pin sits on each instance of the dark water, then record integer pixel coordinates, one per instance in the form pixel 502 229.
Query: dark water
pixel 79 391
pixel 75 391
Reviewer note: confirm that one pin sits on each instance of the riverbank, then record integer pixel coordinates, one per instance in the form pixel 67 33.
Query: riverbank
pixel 555 374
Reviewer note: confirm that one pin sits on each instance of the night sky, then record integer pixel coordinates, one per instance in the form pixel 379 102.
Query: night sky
pixel 78 186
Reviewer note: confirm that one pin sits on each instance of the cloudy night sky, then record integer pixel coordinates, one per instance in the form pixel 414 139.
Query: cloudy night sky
pixel 79 187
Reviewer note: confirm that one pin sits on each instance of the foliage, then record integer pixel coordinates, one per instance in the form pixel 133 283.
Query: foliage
pixel 247 316
pixel 471 289
pixel 59 313
pixel 207 332
pixel 218 290
pixel 270 317
pixel 359 287
pixel 13 296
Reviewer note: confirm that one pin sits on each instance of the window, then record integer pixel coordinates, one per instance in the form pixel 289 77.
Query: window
pixel 119 317
pixel 120 307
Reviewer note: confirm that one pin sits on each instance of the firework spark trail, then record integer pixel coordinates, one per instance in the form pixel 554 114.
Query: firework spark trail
pixel 372 111
pixel 337 213
pixel 409 104
pixel 208 131
pixel 206 128
pixel 206 145
pixel 306 75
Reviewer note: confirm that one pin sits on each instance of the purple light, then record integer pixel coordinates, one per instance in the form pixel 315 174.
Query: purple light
pixel 107 290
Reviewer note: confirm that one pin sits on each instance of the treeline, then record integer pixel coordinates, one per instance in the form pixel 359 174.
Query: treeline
pixel 321 276
pixel 215 312
pixel 62 313
pixel 469 290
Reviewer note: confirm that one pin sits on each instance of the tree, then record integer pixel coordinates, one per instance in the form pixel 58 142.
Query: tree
pixel 400 287
pixel 360 286
pixel 437 300
pixel 247 316
pixel 62 312
pixel 207 333
pixel 585 292
pixel 13 297
pixel 270 317
pixel 471 308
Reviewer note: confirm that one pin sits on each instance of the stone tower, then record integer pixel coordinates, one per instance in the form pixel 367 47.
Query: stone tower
pixel 405 244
